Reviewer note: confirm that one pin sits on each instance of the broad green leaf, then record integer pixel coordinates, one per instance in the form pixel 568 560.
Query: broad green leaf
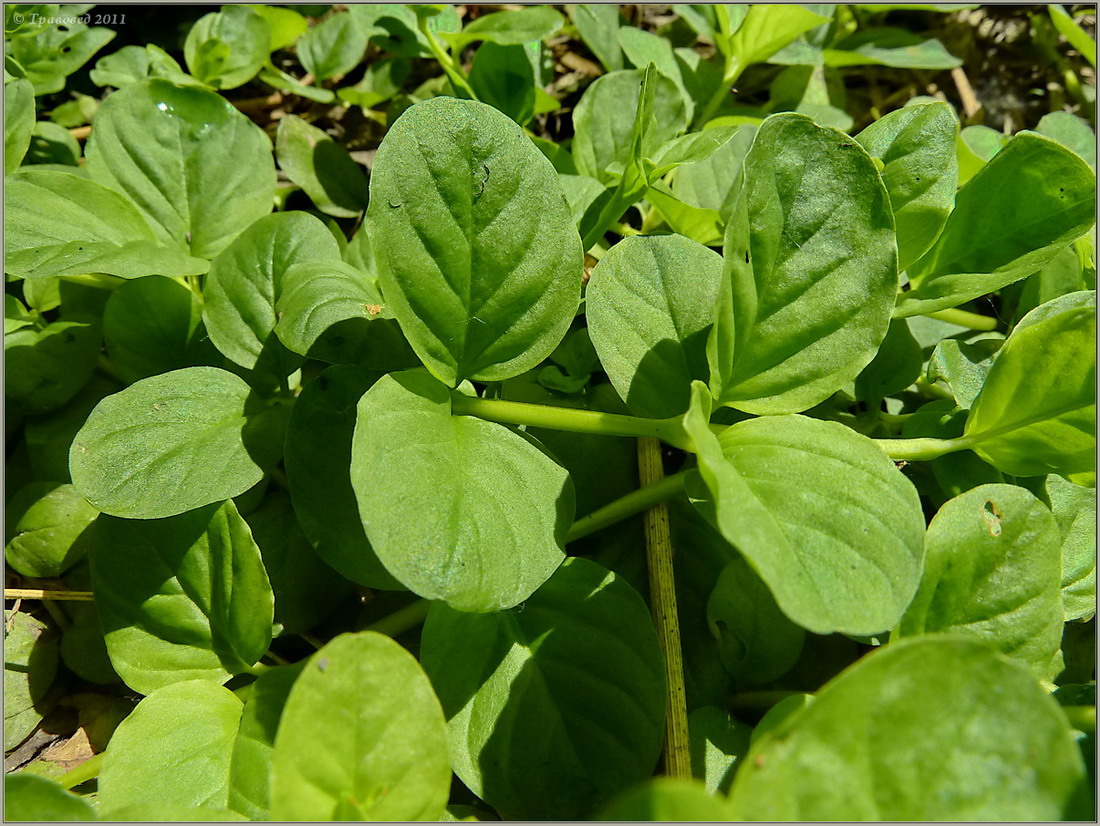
pixel 992 569
pixel 896 365
pixel 963 367
pixel 820 513
pixel 715 181
pixel 306 589
pixel 48 56
pixel 811 270
pixel 49 437
pixel 580 193
pixel 642 47
pixel 332 311
pixel 509 28
pixel 284 25
pixel 478 255
pixel 766 29
pixel 598 25
pixel 1074 508
pixel 182 598
pixel 934 728
pixel 52 144
pixel 332 47
pixel 18 122
pixel 649 304
pixel 503 77
pixel 704 226
pixel 381 81
pixel 322 167
pixel 250 769
pixel 575 674
pixel 1063 274
pixel 362 737
pixel 32 797
pixel 198 170
pixel 45 522
pixel 1077 37
pixel 46 368
pixel 916 145
pixel 226 49
pixel 197 432
pixel 58 223
pixel 1031 200
pixel 1070 131
pixel 153 325
pixel 718 742
pixel 756 642
pixel 30 666
pixel 1036 413
pixel 499 506
pixel 245 281
pixel 666 798
pixel 318 460
pixel 605 117
pixel 133 64
pixel 175 750
pixel 889 46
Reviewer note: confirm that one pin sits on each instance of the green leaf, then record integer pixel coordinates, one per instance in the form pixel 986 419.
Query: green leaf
pixel 896 365
pixel 1077 37
pixel 598 25
pixel 250 770
pixel 47 367
pixel 889 46
pixel 183 598
pixel 306 589
pixel 198 432
pixel 1036 413
pixel 810 271
pixel 18 122
pixel 649 304
pixel 934 728
pixel 714 182
pixel 820 513
pixel 666 798
pixel 756 642
pixel 916 145
pixel 153 325
pixel 133 64
pixel 499 506
pixel 169 812
pixel 31 797
pixel 226 49
pixel 175 748
pixel 642 48
pixel 52 144
pixel 718 742
pixel 1072 132
pixel 767 29
pixel 58 223
pixel 318 460
pixel 284 25
pixel 1074 508
pixel 245 282
pixel 362 738
pixel 1031 200
pixel 198 170
pixel 322 167
pixel 992 569
pixel 604 121
pixel 332 311
pixel 45 523
pixel 503 77
pixel 332 47
pixel 509 28
pixel 30 666
pixel 963 367
pixel 704 226
pixel 478 255
pixel 381 81
pixel 575 673
pixel 48 56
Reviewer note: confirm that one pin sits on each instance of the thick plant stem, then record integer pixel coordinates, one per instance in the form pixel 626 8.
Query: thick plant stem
pixel 38 593
pixel 83 773
pixel 962 318
pixel 916 450
pixel 570 419
pixel 662 598
pixel 402 620
pixel 626 506
pixel 447 63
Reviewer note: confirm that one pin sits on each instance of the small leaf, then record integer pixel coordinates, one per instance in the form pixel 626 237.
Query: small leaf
pixel 668 799
pixel 226 49
pixel 183 598
pixel 598 25
pixel 32 797
pixel 509 28
pixel 575 673
pixel 718 743
pixel 479 257
pixel 18 122
pixel 197 432
pixel 46 523
pixel 896 365
pixel 500 507
pixel 332 47
pixel 963 366
pixel 30 666
pixel 889 46
pixel 767 29
pixel 362 737
pixel 1074 508
pixel 503 77
pixel 1070 131
pixel 47 367
pixel 320 166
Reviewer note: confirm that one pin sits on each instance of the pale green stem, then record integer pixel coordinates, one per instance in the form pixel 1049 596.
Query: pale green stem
pixel 449 64
pixel 83 773
pixel 962 318
pixel 915 450
pixel 402 620
pixel 623 508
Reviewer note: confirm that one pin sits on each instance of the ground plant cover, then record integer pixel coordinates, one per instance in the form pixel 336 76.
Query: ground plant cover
pixel 645 412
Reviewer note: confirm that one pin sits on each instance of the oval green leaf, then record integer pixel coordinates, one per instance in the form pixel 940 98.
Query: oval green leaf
pixel 668 799
pixel 32 797
pixel 575 674
pixel 322 167
pixel 456 508
pixel 46 523
pixel 479 257
pixel 362 737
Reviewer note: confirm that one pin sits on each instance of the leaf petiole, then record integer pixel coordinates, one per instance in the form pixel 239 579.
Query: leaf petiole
pixel 446 61
pixel 623 508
